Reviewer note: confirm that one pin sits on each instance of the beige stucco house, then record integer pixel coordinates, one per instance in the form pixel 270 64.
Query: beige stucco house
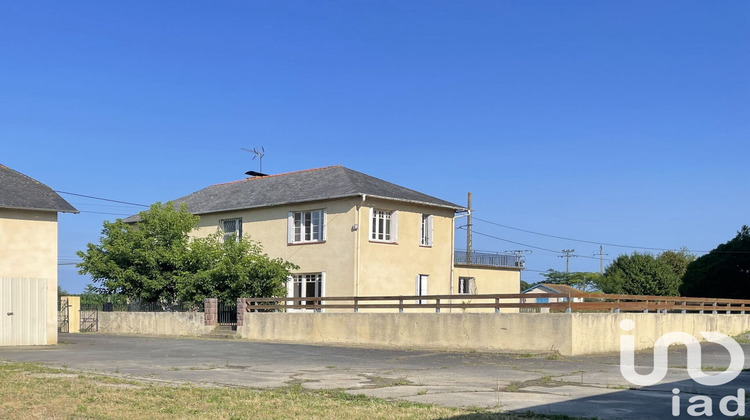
pixel 28 259
pixel 351 234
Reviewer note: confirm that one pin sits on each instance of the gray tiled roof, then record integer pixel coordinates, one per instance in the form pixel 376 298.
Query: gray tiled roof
pixel 18 191
pixel 298 187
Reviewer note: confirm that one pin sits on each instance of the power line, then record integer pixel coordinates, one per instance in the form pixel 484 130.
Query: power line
pixel 102 199
pixel 529 246
pixel 577 240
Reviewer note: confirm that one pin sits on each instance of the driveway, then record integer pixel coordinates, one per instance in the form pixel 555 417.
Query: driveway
pixel 577 386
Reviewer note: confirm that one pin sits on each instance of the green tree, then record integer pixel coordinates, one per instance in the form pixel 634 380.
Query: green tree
pixel 61 291
pixel 583 281
pixel 230 269
pixel 678 261
pixel 141 262
pixel 641 274
pixel 723 272
pixel 156 261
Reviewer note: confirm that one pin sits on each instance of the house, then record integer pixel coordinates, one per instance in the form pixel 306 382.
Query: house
pixel 563 290
pixel 351 234
pixel 28 259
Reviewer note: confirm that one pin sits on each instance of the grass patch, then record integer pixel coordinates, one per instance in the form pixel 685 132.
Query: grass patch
pixel 31 391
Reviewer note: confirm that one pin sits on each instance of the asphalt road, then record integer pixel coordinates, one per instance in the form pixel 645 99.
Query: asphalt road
pixel 578 386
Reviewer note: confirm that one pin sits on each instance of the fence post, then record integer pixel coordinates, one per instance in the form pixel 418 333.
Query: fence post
pixel 645 311
pixel 714 311
pixel 743 309
pixel 400 306
pixel 437 305
pixel 729 308
pixel 569 309
pixel 684 305
pixel 356 304
pixel 497 305
pixel 211 311
pixel 241 309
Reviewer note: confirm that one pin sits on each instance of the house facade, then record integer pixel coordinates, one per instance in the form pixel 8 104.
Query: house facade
pixel 28 259
pixel 351 234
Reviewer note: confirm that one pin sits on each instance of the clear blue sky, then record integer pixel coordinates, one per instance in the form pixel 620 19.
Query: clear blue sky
pixel 622 122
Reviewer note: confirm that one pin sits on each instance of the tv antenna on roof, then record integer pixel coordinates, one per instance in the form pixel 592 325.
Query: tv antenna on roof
pixel 258 154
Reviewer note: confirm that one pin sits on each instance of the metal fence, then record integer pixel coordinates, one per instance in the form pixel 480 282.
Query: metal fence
pixel 487 259
pixel 145 307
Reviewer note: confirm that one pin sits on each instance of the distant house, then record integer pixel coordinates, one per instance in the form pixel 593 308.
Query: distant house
pixel 352 234
pixel 561 289
pixel 28 259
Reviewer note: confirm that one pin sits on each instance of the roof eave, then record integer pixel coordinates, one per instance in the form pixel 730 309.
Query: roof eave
pixel 73 211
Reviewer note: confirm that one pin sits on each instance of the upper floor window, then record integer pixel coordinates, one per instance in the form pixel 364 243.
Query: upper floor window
pixel 425 237
pixel 384 225
pixel 306 226
pixel 232 228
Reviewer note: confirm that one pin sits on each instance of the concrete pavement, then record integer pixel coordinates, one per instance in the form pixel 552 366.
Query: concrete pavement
pixel 578 386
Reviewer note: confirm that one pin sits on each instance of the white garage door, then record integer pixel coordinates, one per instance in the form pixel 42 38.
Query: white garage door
pixel 23 312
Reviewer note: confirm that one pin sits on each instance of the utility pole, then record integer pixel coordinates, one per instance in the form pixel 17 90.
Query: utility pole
pixel 567 256
pixel 601 255
pixel 468 232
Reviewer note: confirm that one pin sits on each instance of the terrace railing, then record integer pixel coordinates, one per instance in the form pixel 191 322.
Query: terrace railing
pixel 491 259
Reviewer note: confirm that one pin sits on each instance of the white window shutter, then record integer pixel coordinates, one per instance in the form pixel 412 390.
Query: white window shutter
pixel 324 220
pixel 290 228
pixel 429 230
pixel 370 225
pixel 394 226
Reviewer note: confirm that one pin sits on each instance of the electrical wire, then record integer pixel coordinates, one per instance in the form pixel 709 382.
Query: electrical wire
pixel 102 199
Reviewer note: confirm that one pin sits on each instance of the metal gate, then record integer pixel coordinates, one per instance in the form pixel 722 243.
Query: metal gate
pixel 63 316
pixel 89 319
pixel 228 314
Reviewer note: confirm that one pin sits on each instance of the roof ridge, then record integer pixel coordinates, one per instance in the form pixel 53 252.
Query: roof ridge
pixel 276 175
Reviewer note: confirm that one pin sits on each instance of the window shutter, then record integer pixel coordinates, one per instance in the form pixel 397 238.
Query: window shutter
pixel 372 225
pixel 324 227
pixel 429 230
pixel 394 226
pixel 290 228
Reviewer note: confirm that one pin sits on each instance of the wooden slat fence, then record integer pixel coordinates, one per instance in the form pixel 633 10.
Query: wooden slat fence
pixel 578 302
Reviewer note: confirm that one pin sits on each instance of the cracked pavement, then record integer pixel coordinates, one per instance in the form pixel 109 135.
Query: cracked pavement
pixel 590 386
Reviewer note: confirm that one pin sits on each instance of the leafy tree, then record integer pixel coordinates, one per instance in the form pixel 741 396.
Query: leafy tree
pixel 230 269
pixel 583 281
pixel 93 296
pixel 641 274
pixel 156 261
pixel 723 272
pixel 678 261
pixel 61 291
pixel 141 262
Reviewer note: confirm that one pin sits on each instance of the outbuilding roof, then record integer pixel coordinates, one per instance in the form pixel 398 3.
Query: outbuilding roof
pixel 18 191
pixel 327 183
pixel 554 288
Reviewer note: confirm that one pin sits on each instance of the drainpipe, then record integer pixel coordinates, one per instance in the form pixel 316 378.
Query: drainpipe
pixel 359 244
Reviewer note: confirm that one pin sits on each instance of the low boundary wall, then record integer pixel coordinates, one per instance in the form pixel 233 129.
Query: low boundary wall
pixel 566 333
pixel 157 323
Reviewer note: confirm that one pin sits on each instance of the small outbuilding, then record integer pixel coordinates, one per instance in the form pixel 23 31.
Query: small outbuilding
pixel 28 259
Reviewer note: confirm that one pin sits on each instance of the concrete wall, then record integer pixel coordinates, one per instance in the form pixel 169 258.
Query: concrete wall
pixel 569 334
pixel 155 323
pixel 28 249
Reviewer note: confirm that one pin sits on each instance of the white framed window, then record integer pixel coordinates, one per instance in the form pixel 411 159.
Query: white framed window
pixel 467 286
pixel 383 225
pixel 232 228
pixel 422 286
pixel 306 285
pixel 425 237
pixel 307 226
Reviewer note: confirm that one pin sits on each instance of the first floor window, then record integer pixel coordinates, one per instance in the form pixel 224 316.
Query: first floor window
pixel 467 286
pixel 306 285
pixel 383 226
pixel 306 226
pixel 422 286
pixel 232 228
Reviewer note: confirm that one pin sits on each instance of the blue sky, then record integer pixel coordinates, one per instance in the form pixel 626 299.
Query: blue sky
pixel 620 122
